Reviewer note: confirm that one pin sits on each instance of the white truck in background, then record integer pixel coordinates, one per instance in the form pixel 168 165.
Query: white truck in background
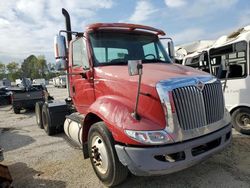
pixel 227 58
pixel 40 81
pixel 18 82
pixel 60 81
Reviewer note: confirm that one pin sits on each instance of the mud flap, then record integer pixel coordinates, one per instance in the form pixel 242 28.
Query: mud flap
pixel 57 113
pixel 5 177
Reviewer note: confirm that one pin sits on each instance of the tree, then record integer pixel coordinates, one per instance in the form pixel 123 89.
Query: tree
pixel 12 67
pixel 13 71
pixel 2 70
pixel 28 67
pixel 34 67
pixel 42 66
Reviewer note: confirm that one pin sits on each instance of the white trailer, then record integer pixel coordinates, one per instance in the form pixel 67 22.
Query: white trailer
pixel 56 81
pixel 228 58
pixel 62 81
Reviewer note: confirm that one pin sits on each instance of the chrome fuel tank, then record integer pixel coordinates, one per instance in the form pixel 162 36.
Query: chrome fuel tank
pixel 73 127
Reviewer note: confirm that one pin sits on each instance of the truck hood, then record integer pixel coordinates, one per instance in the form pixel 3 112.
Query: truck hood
pixel 157 80
pixel 152 72
pixel 115 81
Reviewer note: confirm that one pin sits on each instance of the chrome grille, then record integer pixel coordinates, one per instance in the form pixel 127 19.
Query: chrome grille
pixel 196 108
pixel 214 102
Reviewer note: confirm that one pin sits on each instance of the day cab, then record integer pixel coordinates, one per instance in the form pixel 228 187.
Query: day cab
pixel 136 110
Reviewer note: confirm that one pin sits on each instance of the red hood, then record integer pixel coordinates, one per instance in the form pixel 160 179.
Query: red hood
pixel 115 81
pixel 152 73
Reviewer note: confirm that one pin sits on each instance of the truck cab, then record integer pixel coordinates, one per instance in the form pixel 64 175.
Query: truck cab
pixel 88 63
pixel 134 109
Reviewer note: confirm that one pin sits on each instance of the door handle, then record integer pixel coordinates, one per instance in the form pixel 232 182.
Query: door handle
pixel 84 75
pixel 73 89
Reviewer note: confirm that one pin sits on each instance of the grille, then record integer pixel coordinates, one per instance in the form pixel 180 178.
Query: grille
pixel 197 108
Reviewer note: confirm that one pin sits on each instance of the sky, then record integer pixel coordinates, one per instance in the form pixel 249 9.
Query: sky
pixel 29 26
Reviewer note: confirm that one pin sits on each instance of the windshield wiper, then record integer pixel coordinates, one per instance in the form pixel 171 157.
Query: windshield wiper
pixel 126 62
pixel 153 61
pixel 113 63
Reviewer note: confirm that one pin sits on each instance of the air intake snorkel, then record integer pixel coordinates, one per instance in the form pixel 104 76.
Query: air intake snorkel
pixel 67 24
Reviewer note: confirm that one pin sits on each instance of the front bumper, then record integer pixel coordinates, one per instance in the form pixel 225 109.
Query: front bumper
pixel 142 161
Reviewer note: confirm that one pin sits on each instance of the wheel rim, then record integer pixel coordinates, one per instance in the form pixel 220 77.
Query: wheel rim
pixel 99 154
pixel 244 120
pixel 45 122
pixel 38 117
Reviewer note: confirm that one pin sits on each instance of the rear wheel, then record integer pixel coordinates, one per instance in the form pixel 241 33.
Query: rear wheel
pixel 47 125
pixel 103 156
pixel 38 110
pixel 241 120
pixel 16 110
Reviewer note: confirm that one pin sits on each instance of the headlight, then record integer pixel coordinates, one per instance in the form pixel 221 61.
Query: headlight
pixel 150 137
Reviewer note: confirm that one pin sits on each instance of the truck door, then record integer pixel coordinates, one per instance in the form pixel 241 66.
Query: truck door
pixel 81 83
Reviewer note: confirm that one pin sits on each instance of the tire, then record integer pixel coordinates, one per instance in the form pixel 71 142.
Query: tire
pixel 47 125
pixel 38 111
pixel 16 110
pixel 241 120
pixel 4 184
pixel 103 156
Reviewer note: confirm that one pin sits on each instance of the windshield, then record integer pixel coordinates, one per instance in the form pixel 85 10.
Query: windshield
pixel 116 48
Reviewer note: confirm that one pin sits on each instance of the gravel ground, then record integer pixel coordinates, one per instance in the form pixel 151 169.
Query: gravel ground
pixel 37 160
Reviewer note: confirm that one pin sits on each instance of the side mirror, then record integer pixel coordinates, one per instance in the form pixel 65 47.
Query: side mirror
pixel 60 52
pixel 61 64
pixel 171 52
pixel 134 67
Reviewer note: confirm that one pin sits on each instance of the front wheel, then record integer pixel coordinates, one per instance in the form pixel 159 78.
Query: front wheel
pixel 241 120
pixel 103 156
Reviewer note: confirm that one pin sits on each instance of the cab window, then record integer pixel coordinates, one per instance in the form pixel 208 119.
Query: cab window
pixel 149 51
pixel 80 57
pixel 117 48
pixel 109 54
pixel 152 51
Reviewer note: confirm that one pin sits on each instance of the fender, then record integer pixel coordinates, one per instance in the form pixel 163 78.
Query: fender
pixel 116 112
pixel 232 108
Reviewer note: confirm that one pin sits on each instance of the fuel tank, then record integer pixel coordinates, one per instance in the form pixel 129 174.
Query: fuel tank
pixel 73 127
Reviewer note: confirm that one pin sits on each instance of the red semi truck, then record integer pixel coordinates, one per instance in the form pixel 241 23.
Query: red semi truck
pixel 130 107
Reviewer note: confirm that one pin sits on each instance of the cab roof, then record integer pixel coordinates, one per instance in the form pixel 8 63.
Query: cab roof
pixel 124 26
